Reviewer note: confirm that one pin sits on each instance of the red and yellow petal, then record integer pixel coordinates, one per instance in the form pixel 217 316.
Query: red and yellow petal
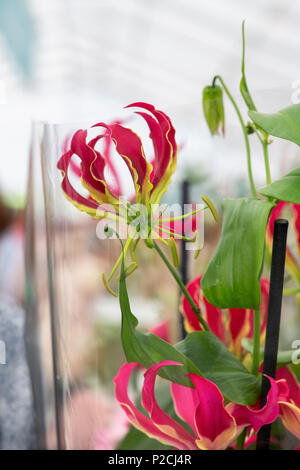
pixel 129 146
pixel 212 315
pixel 296 223
pixel 240 321
pixel 290 402
pixel 135 417
pixel 264 288
pixel 284 373
pixel 290 416
pixel 92 168
pixel 275 214
pixel 165 147
pixel 115 186
pixel 190 318
pixel 215 426
pixel 185 401
pixel 239 326
pixel 82 203
pixel 160 419
pixel 149 182
pixel 257 417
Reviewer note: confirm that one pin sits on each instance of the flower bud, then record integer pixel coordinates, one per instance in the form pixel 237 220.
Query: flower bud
pixel 249 128
pixel 213 108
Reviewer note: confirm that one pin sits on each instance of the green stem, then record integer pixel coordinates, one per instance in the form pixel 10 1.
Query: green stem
pixel 241 440
pixel 124 251
pixel 291 291
pixel 256 343
pixel 245 133
pixel 173 234
pixel 264 142
pixel 176 276
pixel 181 217
pixel 267 163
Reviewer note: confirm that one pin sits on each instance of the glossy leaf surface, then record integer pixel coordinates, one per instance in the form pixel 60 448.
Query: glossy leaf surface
pixel 232 279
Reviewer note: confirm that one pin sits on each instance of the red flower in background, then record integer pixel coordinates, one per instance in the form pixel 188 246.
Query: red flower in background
pixel 240 321
pixel 231 327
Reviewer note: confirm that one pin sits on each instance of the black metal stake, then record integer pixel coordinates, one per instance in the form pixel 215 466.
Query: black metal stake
pixel 273 322
pixel 184 253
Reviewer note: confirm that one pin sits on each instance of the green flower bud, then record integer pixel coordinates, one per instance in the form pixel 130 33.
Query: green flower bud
pixel 213 108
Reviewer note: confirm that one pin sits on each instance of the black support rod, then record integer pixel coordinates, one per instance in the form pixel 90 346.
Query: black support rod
pixel 273 322
pixel 184 253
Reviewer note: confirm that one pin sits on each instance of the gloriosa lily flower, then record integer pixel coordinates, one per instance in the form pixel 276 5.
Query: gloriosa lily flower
pixel 150 179
pixel 239 322
pixel 212 425
pixel 130 148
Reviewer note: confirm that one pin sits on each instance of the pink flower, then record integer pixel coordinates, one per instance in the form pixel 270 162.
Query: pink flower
pixel 240 320
pixel 212 425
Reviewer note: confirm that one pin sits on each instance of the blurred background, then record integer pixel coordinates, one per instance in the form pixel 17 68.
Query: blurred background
pixel 66 64
pixel 69 58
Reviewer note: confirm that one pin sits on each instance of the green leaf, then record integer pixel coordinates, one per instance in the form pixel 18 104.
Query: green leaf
pixel 284 123
pixel 232 279
pixel 286 189
pixel 137 440
pixel 147 349
pixel 219 365
pixel 211 358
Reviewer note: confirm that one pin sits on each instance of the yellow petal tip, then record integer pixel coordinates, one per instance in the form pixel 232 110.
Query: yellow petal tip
pixel 211 207
pixel 105 283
